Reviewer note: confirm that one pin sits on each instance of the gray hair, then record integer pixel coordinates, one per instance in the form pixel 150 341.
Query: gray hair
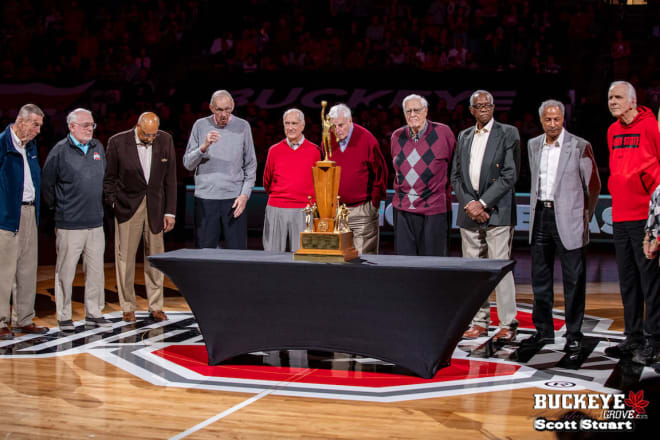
pixel 219 93
pixel 476 94
pixel 73 116
pixel 301 115
pixel 632 95
pixel 339 110
pixel 29 109
pixel 551 103
pixel 425 103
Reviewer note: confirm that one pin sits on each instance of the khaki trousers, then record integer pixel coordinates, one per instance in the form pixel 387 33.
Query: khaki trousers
pixel 494 243
pixel 363 221
pixel 71 244
pixel 127 239
pixel 18 267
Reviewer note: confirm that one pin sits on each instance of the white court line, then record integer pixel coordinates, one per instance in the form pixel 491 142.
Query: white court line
pixel 225 413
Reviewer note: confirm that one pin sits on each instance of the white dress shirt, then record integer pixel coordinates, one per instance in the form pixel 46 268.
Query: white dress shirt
pixel 144 154
pixel 548 167
pixel 477 151
pixel 28 185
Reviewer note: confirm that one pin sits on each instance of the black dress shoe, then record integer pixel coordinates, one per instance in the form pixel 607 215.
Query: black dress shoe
pixel 536 341
pixel 624 349
pixel 573 346
pixel 649 354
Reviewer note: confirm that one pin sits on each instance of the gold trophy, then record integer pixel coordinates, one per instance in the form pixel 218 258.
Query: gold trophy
pixel 330 239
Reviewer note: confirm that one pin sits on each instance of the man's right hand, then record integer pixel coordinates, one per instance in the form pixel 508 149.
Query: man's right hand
pixel 211 137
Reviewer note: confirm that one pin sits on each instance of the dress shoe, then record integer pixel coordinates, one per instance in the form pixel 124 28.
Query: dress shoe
pixel 476 331
pixel 536 340
pixel 98 322
pixel 505 335
pixel 573 346
pixel 32 329
pixel 66 326
pixel 129 317
pixel 624 349
pixel 649 354
pixel 5 333
pixel 158 316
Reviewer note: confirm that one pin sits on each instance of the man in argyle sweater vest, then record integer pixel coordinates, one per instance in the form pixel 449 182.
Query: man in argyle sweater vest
pixel 421 154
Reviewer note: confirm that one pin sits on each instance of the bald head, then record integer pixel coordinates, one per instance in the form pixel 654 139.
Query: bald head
pixel 147 127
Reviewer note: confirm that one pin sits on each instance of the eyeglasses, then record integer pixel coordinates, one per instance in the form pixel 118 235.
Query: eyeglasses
pixel 149 136
pixel 482 106
pixel 415 111
pixel 223 110
pixel 91 125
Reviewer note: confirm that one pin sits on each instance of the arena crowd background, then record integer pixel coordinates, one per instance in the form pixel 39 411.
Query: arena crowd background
pixel 120 58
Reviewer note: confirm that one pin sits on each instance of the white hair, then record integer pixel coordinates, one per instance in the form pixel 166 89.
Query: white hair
pixel 73 116
pixel 219 93
pixel 632 96
pixel 29 109
pixel 301 115
pixel 339 110
pixel 551 103
pixel 425 103
pixel 476 94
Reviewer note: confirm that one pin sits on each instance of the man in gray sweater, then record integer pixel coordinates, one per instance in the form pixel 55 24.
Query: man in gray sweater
pixel 221 152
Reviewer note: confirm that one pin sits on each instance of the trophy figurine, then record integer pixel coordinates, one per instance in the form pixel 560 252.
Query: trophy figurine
pixel 329 239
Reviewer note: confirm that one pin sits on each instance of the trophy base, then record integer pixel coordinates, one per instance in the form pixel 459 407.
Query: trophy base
pixel 326 247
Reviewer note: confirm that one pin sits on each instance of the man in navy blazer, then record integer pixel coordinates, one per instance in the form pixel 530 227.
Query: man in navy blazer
pixel 19 213
pixel 563 197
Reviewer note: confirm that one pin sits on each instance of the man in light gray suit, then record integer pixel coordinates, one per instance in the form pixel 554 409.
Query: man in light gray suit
pixel 565 188
pixel 484 171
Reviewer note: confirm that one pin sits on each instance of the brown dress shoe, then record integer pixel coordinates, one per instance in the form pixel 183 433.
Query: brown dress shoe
pixel 31 329
pixel 129 317
pixel 5 333
pixel 158 315
pixel 476 331
pixel 505 335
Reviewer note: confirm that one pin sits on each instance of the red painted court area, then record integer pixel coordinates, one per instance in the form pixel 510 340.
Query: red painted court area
pixel 195 358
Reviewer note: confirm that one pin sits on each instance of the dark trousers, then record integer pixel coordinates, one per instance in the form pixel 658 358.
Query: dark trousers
pixel 545 244
pixel 418 234
pixel 639 280
pixel 214 221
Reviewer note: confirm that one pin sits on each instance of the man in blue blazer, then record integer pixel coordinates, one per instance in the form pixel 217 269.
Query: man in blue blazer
pixel 19 209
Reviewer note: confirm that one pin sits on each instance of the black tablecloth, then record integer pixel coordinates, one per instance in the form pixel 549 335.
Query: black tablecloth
pixel 410 311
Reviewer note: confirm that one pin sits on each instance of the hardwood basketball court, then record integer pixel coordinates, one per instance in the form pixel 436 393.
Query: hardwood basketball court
pixel 150 381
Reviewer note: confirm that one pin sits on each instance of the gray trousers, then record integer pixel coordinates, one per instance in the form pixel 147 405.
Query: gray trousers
pixel 71 245
pixel 127 239
pixel 18 266
pixel 495 243
pixel 363 221
pixel 282 225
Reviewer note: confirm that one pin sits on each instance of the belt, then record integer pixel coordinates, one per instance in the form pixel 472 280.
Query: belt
pixel 353 205
pixel 546 203
pixel 30 203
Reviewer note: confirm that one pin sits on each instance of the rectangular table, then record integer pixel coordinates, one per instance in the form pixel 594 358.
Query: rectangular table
pixel 410 311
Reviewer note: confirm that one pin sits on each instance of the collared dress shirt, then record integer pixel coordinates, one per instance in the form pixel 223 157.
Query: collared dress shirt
pixel 548 167
pixel 28 185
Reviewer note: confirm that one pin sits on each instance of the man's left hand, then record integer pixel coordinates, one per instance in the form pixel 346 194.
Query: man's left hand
pixel 239 205
pixel 475 210
pixel 168 223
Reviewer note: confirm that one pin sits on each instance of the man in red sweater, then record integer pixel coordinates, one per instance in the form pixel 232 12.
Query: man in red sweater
pixel 634 144
pixel 363 177
pixel 288 182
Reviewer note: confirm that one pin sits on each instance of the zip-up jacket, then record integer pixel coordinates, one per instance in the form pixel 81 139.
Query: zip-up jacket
pixel 12 175
pixel 72 184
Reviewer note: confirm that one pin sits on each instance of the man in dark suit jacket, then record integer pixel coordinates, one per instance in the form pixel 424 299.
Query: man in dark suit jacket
pixel 140 186
pixel 485 169
pixel 562 200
